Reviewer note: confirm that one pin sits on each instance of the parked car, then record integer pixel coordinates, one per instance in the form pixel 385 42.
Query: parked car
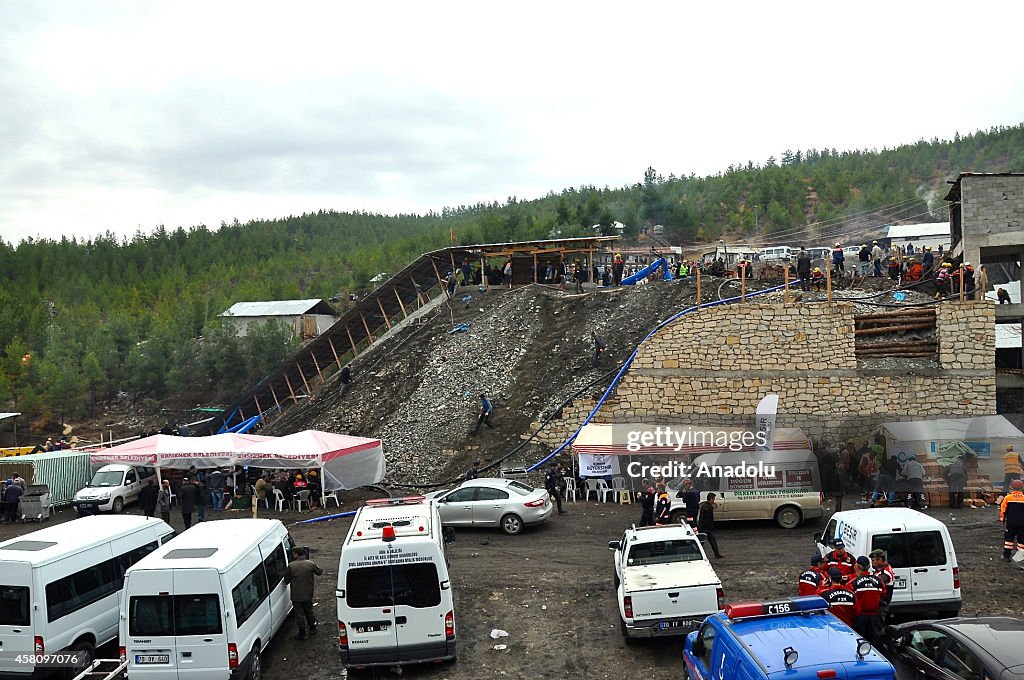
pixel 113 487
pixel 491 502
pixel 957 649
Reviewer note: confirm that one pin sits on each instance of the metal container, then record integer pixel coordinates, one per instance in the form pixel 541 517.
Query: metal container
pixel 35 503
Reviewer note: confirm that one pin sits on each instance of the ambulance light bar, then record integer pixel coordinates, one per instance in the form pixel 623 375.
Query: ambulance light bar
pixel 745 610
pixel 404 500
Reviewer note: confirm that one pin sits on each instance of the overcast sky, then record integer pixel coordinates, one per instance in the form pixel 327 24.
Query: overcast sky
pixel 125 115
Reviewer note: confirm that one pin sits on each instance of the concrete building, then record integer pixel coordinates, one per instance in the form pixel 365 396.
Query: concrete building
pixel 986 216
pixel 920 235
pixel 309 318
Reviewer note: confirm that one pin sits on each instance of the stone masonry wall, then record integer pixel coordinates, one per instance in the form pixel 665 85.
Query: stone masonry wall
pixel 713 367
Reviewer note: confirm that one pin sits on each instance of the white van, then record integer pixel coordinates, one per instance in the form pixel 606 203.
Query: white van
pixel 394 595
pixel 917 547
pixel 59 586
pixel 777 254
pixel 113 487
pixel 207 605
pixel 791 496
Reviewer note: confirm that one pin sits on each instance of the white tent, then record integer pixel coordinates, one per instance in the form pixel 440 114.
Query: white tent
pixel 986 436
pixel 169 451
pixel 347 462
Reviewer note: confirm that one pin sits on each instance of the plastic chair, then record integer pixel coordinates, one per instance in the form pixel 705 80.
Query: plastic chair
pixel 570 488
pixel 279 499
pixel 302 498
pixel 620 492
pixel 600 489
pixel 332 496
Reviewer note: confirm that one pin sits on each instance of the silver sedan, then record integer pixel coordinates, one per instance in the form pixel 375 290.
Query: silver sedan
pixel 493 502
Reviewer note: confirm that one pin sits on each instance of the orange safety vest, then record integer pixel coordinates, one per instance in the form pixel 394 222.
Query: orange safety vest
pixel 1011 463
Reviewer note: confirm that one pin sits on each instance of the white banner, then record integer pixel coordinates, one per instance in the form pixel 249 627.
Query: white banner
pixel 765 421
pixel 598 465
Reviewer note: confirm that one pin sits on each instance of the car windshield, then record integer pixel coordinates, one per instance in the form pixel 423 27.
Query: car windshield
pixel 14 610
pixel 520 488
pixel 107 478
pixel 664 552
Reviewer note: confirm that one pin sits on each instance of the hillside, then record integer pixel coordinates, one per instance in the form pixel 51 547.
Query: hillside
pixel 82 321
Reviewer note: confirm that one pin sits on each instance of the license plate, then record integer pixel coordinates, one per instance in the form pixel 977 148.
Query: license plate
pixel 900 584
pixel 376 628
pixel 667 625
pixel 152 658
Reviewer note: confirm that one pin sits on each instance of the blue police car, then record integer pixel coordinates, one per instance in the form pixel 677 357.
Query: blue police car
pixel 796 639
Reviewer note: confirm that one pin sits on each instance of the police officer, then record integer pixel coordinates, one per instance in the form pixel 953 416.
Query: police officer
pixel 473 472
pixel 812 580
pixel 868 591
pixel 839 597
pixel 839 559
pixel 646 498
pixel 553 485
pixel 662 506
pixel 1011 512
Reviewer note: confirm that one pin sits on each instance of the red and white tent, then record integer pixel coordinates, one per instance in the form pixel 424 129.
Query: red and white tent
pixel 169 451
pixel 347 462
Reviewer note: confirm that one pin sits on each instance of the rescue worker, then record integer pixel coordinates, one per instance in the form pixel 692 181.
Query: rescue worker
pixel 1004 297
pixel 838 259
pixel 839 559
pixel 1012 467
pixel 864 255
pixel 484 415
pixel 553 485
pixel 646 499
pixel 599 347
pixel 942 280
pixel 876 258
pixel 691 499
pixel 895 269
pixel 812 580
pixel 839 597
pixel 617 265
pixel 967 274
pixel 803 269
pixel 1011 513
pixel 744 270
pixel 880 568
pixel 663 506
pixel 928 261
pixel 868 591
pixel 818 279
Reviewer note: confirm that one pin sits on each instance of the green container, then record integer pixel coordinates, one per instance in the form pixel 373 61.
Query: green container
pixel 65 472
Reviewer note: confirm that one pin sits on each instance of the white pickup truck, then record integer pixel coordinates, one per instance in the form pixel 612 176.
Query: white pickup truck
pixel 664 583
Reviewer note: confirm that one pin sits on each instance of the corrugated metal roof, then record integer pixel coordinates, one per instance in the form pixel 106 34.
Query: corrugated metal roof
pixel 919 229
pixel 8 415
pixel 1008 336
pixel 272 308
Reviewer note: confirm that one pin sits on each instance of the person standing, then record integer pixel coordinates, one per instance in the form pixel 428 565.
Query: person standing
pixel 1011 514
pixel 646 499
pixel 187 499
pixel 812 579
pixel 147 499
pixel 484 415
pixel 864 255
pixel 344 381
pixel 202 498
pixel 803 269
pixel 215 481
pixel 880 568
pixel 618 264
pixel 706 523
pixel 507 273
pixel 886 484
pixel 839 559
pixel 553 485
pixel 955 475
pixel 868 591
pixel 662 506
pixel 876 258
pixel 599 347
pixel 913 472
pixel 163 501
pixel 473 472
pixel 300 576
pixel 691 500
pixel 12 498
pixel 1012 467
pixel 839 597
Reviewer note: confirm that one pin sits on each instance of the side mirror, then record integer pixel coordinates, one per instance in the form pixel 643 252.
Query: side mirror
pixel 614 545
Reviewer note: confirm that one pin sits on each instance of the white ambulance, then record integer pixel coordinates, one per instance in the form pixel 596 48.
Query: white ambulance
pixel 394 595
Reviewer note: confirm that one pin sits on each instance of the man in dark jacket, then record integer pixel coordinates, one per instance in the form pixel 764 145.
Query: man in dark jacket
pixel 215 484
pixel 691 499
pixel 599 347
pixel 886 484
pixel 484 415
pixel 706 522
pixel 646 499
pixel 147 498
pixel 662 506
pixel 300 575
pixel 12 497
pixel 803 269
pixel 187 500
pixel 553 485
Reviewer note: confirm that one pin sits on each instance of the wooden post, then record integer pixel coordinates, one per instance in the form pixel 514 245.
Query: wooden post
pixel 535 267
pixel 437 273
pixel 962 270
pixel 786 270
pixel 290 390
pixel 335 353
pixel 366 326
pixel 258 407
pixel 355 350
pixel 384 314
pixel 303 376
pixel 273 393
pixel 404 314
pixel 984 281
pixel 483 273
pixel 416 287
pixel 698 289
pixel 452 255
pixel 743 282
pixel 828 281
pixel 316 364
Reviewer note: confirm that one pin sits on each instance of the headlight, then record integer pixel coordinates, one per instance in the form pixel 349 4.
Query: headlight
pixel 103 495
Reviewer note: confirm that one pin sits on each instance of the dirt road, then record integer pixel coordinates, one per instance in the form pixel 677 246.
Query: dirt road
pixel 551 589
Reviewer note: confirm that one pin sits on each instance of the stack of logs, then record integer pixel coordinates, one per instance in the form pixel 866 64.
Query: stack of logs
pixel 867 328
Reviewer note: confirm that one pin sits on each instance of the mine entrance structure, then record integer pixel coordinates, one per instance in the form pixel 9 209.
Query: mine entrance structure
pixel 387 305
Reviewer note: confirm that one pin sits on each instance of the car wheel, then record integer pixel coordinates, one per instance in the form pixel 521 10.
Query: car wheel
pixel 788 517
pixel 512 524
pixel 255 667
pixel 86 654
pixel 118 505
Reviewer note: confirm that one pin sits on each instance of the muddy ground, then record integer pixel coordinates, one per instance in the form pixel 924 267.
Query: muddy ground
pixel 551 589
